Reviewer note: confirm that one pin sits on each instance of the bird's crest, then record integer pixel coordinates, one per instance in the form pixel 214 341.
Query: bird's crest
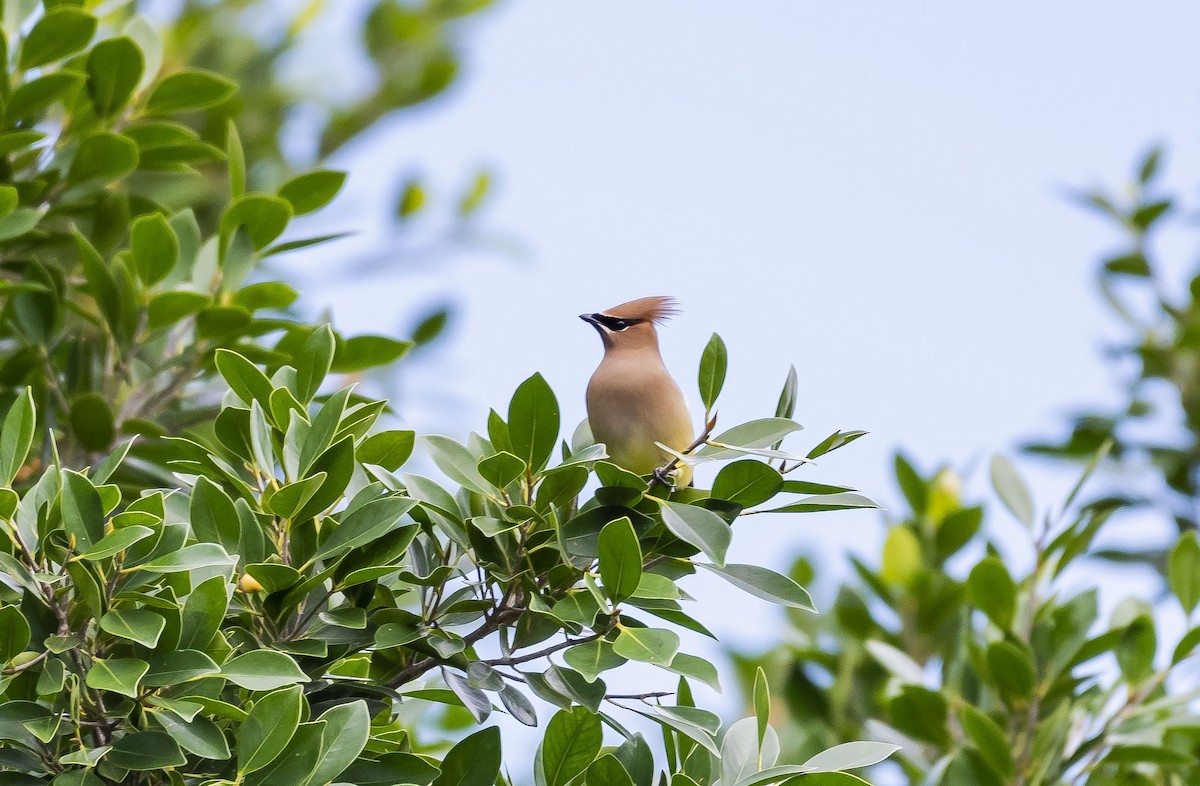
pixel 654 309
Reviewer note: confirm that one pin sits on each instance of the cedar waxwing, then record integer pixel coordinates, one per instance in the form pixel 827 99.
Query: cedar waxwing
pixel 632 401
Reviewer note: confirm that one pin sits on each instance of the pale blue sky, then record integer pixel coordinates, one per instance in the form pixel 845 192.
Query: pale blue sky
pixel 874 192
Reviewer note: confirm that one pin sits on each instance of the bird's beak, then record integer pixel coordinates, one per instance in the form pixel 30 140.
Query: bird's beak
pixel 590 319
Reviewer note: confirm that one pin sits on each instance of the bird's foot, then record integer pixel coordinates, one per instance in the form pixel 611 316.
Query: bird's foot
pixel 663 475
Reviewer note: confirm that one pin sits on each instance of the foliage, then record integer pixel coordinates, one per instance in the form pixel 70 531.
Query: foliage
pixel 114 301
pixel 264 621
pixel 1155 432
pixel 989 673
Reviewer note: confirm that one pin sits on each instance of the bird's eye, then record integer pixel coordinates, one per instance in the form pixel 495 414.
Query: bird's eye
pixel 614 323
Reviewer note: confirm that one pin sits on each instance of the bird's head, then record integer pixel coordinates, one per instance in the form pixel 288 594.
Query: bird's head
pixel 631 325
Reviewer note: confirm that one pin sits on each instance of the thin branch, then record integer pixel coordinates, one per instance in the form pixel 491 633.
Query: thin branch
pixel 660 475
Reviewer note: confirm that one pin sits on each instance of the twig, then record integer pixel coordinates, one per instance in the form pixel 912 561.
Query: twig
pixel 659 476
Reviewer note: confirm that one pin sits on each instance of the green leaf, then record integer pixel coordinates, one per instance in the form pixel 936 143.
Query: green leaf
pixel 1136 649
pixel 572 740
pixel 169 308
pixel 145 751
pixel 63 31
pixel 14 633
pixel 19 222
pixel 263 218
pixel 364 525
pixel 114 68
pixel 235 157
pixel 1183 571
pixel 474 761
pixel 103 157
pixel 821 503
pixel 361 353
pixel 82 510
pixel 620 559
pixel 593 658
pixel 297 761
pixel 762 703
pixel 245 378
pixel 764 583
pixel 347 728
pixel 313 363
pixel 747 483
pixel 189 90
pixel 30 100
pixel 1011 669
pixel 713 364
pixel 92 422
pixel 200 555
pixel 213 516
pixel 268 728
pixel 988 738
pixel 312 190
pixel 154 247
pixel 756 434
pixel 138 625
pixel 993 591
pixel 458 463
pixel 16 437
pixel 533 422
pixel 119 675
pixel 290 499
pixel 850 756
pixel 649 645
pixel 698 526
pixel 501 469
pixel 786 407
pixel 117 541
pixel 1011 489
pixel 199 736
pixel 608 771
pixel 176 666
pixel 263 670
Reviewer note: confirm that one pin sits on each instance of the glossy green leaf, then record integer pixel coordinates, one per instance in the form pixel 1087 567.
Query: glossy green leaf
pixel 313 190
pixel 571 742
pixel 154 247
pixel 103 157
pixel 138 625
pixel 14 633
pixel 747 483
pixel 199 736
pixel 698 526
pixel 268 728
pixel 146 751
pixel 16 436
pixel 620 559
pixel 533 421
pixel 189 90
pixel 473 761
pixel 119 675
pixel 764 583
pixel 63 31
pixel 650 645
pixel 713 363
pixel 114 68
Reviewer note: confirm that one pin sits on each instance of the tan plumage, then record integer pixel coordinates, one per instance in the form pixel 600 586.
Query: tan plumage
pixel 632 401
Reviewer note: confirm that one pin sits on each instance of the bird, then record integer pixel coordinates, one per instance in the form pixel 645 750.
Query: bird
pixel 632 400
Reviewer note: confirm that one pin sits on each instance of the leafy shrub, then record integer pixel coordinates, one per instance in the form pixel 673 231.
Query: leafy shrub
pixel 989 675
pixel 263 622
pixel 114 299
